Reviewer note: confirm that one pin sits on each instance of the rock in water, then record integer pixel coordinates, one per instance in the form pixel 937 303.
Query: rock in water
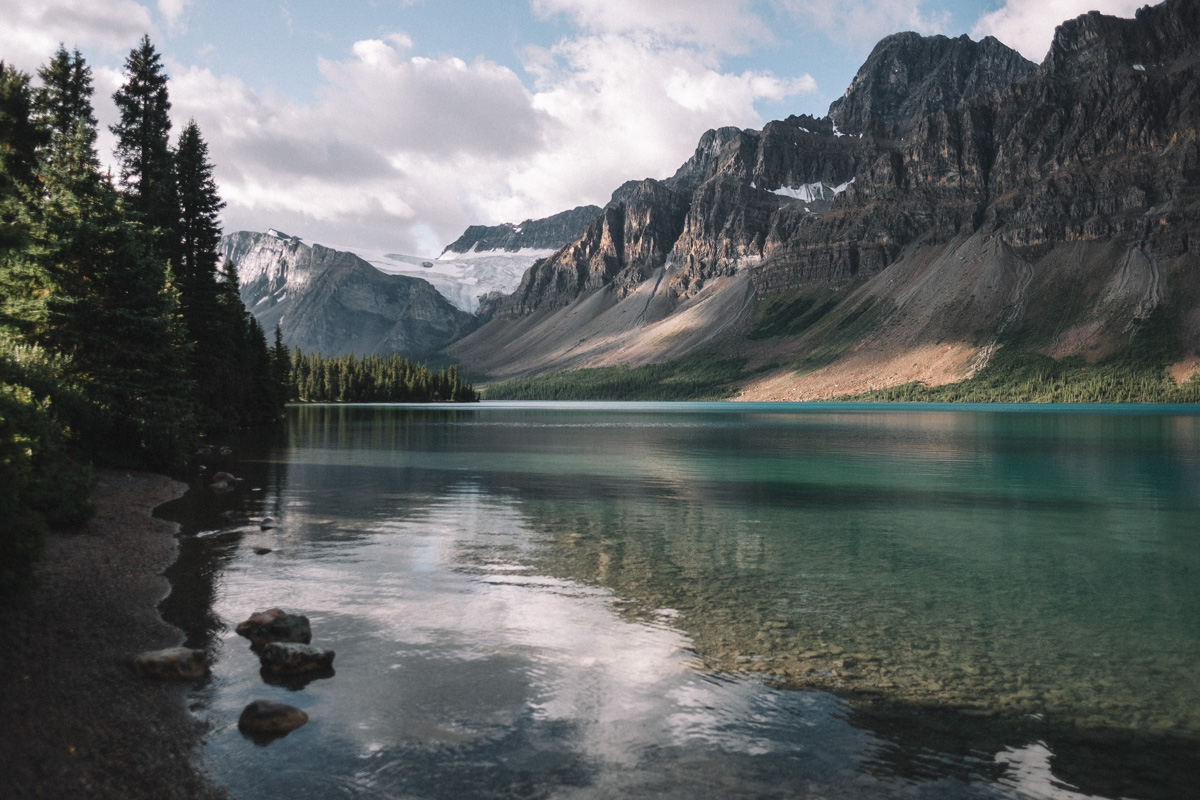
pixel 174 663
pixel 266 716
pixel 290 658
pixel 276 625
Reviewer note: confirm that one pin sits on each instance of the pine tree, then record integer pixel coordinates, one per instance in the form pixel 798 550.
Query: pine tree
pixel 199 210
pixel 143 148
pixel 214 353
pixel 281 367
pixel 22 283
pixel 112 307
pixel 64 100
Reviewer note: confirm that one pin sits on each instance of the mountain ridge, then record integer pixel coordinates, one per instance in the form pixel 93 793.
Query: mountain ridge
pixel 993 198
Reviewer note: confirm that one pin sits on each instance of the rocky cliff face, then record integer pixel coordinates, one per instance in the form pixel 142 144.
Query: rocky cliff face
pixel 550 233
pixel 908 77
pixel 620 248
pixel 334 302
pixel 971 179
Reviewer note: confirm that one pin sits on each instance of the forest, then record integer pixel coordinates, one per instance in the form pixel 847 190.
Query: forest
pixel 314 378
pixel 121 335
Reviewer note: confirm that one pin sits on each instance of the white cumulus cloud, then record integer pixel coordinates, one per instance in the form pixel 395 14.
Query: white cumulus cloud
pixel 1028 25
pixel 403 151
pixel 859 24
pixel 172 11
pixel 726 25
pixel 31 30
pixel 393 148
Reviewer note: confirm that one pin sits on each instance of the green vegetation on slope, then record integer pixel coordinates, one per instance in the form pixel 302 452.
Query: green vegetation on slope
pixel 697 377
pixel 1015 374
pixel 790 314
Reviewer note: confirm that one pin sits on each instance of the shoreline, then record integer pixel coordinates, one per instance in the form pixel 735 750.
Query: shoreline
pixel 79 722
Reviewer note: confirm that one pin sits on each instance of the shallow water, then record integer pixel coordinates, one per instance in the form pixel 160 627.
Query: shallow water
pixel 623 600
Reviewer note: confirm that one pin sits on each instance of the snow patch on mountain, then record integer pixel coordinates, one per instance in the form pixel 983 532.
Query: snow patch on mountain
pixel 462 278
pixel 811 192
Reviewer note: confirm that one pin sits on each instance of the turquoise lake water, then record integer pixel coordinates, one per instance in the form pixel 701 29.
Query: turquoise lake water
pixel 587 600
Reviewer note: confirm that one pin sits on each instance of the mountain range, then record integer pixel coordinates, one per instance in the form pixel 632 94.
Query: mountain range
pixel 956 200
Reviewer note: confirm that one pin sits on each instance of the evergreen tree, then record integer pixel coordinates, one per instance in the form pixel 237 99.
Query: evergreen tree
pixel 64 100
pixel 22 284
pixel 112 307
pixel 199 211
pixel 213 345
pixel 143 148
pixel 281 367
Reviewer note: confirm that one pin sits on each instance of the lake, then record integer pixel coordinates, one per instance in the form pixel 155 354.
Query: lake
pixel 591 600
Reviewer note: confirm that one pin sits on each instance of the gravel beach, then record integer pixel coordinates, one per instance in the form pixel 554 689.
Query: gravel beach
pixel 77 721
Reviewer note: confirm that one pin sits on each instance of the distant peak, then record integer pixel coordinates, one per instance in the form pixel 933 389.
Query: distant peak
pixel 278 234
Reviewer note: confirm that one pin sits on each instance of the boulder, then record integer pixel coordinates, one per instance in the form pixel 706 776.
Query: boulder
pixel 275 625
pixel 291 658
pixel 223 482
pixel 174 663
pixel 268 523
pixel 269 717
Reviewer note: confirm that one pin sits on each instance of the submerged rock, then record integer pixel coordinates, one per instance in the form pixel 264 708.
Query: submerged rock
pixel 174 663
pixel 291 658
pixel 268 523
pixel 223 482
pixel 269 717
pixel 275 625
pixel 234 517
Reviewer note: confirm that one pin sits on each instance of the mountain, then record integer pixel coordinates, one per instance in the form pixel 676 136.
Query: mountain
pixel 956 199
pixel 334 302
pixel 550 233
pixel 351 299
pixel 909 76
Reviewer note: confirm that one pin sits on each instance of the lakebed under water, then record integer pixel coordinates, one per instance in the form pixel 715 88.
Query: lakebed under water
pixel 734 600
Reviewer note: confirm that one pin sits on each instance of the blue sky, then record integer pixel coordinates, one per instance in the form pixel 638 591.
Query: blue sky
pixel 393 124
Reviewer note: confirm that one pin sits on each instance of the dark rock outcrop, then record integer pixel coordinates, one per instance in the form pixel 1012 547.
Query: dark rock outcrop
pixel 909 76
pixel 550 233
pixel 621 247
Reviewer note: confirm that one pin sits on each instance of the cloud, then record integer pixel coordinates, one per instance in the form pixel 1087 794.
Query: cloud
pixel 859 24
pixel 629 108
pixel 430 105
pixel 33 29
pixel 403 151
pixel 1028 25
pixel 172 10
pixel 726 25
pixel 390 142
